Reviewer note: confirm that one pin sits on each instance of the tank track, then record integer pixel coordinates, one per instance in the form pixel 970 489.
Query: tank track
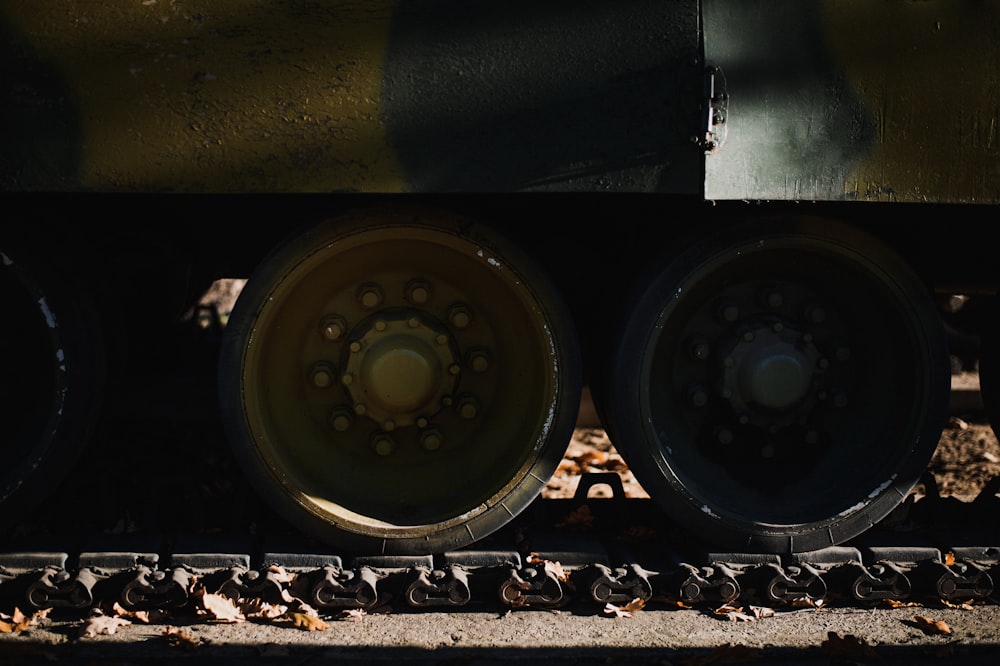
pixel 594 551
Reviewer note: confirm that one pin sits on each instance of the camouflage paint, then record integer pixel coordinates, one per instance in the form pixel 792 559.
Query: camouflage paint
pixel 198 95
pixel 871 100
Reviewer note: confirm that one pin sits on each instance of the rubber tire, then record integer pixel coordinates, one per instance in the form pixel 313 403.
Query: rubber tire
pixel 866 456
pixel 331 485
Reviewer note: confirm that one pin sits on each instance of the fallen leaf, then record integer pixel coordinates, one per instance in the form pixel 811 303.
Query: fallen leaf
pixel 102 624
pixel 260 609
pixel 626 610
pixel 351 614
pixel 179 638
pixel 930 626
pixel 280 574
pixel 965 605
pixel 895 603
pixel 733 614
pixel 550 566
pixel 949 559
pixel 217 607
pixel 307 622
pixel 848 646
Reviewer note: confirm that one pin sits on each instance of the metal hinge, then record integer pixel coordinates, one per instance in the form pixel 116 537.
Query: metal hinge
pixel 716 110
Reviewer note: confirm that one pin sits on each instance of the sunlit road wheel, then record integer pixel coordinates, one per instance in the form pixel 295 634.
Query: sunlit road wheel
pixel 52 382
pixel 780 386
pixel 398 382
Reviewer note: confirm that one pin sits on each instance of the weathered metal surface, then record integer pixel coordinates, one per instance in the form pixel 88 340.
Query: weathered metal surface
pixel 865 100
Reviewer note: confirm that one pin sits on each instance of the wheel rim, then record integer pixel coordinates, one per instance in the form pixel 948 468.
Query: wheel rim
pixel 789 385
pixel 403 385
pixel 52 383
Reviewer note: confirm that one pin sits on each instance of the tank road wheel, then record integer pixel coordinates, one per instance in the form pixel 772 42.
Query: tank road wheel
pixel 52 381
pixel 781 386
pixel 399 382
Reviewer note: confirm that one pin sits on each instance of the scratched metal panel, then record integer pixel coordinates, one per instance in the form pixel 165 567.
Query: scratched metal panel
pixel 875 100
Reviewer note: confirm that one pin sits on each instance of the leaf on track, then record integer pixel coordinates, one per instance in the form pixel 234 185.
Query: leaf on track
pixel 180 638
pixel 216 607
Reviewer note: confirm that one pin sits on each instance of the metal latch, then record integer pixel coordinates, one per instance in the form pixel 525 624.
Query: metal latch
pixel 716 110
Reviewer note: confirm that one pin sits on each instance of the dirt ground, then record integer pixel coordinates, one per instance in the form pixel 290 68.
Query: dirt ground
pixel 967 457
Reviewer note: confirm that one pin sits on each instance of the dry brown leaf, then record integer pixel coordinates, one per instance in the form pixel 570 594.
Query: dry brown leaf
pixel 625 610
pixel 307 622
pixel 806 602
pixel 179 638
pixel 260 609
pixel 280 574
pixel 849 646
pixel 949 559
pixel 552 567
pixel 102 624
pixel 930 626
pixel 351 614
pixel 733 614
pixel 964 605
pixel 216 607
pixel 6 627
pixel 895 603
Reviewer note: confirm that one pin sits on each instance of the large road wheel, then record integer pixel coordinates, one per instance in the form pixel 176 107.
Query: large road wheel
pixel 780 386
pixel 399 382
pixel 53 379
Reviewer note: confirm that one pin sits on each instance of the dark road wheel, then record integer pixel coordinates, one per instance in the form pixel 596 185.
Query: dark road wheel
pixel 989 364
pixel 399 382
pixel 52 382
pixel 780 386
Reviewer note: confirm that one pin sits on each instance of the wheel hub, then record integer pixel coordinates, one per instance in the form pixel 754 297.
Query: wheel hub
pixel 399 367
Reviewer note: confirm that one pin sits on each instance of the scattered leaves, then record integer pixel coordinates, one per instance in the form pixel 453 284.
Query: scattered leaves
pixel 736 614
pixel 626 610
pixel 930 626
pixel 848 646
pixel 895 603
pixel 18 621
pixel 964 605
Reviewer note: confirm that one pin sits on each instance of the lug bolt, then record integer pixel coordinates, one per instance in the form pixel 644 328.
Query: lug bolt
pixel 479 360
pixel 388 425
pixel 333 327
pixel 729 313
pixel 459 315
pixel 347 379
pixel 418 292
pixel 370 295
pixel 815 314
pixel 431 439
pixel 341 419
pixel 360 409
pixel 468 407
pixel 700 350
pixel 422 421
pixel 454 369
pixel 698 396
pixel 382 444
pixel 724 435
pixel 322 374
pixel 772 298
